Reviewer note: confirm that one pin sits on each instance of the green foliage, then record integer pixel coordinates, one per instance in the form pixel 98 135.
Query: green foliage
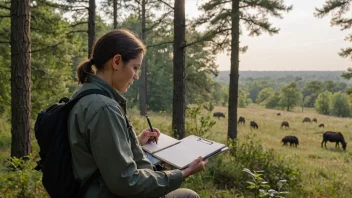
pixel 264 94
pixel 261 187
pixel 21 179
pixel 242 99
pixel 273 100
pixel 197 122
pixel 228 171
pixel 339 105
pixel 311 91
pixel 290 96
pixel 322 104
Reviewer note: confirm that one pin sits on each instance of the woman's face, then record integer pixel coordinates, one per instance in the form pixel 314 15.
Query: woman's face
pixel 126 73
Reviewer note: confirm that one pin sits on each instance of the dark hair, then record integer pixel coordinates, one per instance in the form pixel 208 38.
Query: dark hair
pixel 118 41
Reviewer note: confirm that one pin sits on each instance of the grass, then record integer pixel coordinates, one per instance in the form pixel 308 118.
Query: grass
pixel 325 172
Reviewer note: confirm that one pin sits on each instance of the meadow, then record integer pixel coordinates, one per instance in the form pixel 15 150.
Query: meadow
pixel 324 172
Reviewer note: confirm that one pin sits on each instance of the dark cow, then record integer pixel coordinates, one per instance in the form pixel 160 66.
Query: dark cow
pixel 315 120
pixel 241 120
pixel 334 137
pixel 278 114
pixel 219 114
pixel 254 125
pixel 285 124
pixel 321 125
pixel 290 139
pixel 306 119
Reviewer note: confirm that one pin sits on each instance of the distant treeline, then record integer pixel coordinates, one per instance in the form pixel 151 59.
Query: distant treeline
pixel 283 76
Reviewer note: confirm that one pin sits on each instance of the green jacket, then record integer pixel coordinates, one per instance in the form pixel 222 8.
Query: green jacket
pixel 100 138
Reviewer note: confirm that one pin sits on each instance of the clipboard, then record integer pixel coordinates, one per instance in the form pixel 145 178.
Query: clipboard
pixel 180 155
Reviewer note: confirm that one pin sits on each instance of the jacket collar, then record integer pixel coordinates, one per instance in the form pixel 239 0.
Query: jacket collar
pixel 108 89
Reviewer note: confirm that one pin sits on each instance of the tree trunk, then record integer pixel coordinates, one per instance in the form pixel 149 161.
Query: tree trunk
pixel 91 26
pixel 178 113
pixel 20 78
pixel 233 90
pixel 115 13
pixel 143 89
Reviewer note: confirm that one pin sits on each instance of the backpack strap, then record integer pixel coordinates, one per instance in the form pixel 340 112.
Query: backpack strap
pixel 83 189
pixel 85 93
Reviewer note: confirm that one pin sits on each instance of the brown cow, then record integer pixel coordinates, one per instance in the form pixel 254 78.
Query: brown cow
pixel 306 119
pixel 321 125
pixel 293 140
pixel 334 137
pixel 241 120
pixel 254 125
pixel 285 124
pixel 315 120
pixel 278 114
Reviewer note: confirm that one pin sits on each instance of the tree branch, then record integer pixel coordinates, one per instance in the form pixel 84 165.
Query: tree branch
pixel 159 21
pixel 5 16
pixel 77 31
pixel 4 7
pixel 206 37
pixel 168 5
pixel 47 47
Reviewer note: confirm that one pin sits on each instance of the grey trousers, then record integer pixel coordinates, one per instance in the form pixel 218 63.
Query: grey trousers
pixel 182 193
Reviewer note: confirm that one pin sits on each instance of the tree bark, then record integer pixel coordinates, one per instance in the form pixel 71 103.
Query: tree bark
pixel 115 13
pixel 143 89
pixel 234 74
pixel 20 78
pixel 91 26
pixel 178 112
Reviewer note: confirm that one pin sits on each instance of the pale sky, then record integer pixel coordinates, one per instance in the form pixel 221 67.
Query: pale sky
pixel 303 43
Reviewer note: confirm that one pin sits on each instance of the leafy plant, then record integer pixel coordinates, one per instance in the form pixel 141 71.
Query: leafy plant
pixel 21 180
pixel 261 187
pixel 198 122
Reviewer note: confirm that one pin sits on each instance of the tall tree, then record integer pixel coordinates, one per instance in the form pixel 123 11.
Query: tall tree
pixel 340 11
pixel 143 88
pixel 20 78
pixel 178 107
pixel 91 26
pixel 290 96
pixel 223 18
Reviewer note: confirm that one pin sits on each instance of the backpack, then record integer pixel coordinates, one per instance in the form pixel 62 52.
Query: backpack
pixel 55 153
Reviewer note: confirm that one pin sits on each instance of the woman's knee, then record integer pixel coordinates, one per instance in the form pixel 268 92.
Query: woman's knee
pixel 182 193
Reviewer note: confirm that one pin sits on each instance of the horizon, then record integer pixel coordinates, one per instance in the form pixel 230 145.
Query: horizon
pixel 291 70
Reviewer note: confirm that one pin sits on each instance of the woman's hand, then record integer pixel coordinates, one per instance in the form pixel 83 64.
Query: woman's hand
pixel 148 135
pixel 196 166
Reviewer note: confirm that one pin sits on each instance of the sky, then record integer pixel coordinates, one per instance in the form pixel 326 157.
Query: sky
pixel 303 43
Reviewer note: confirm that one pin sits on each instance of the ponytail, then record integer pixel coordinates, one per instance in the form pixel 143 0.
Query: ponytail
pixel 84 70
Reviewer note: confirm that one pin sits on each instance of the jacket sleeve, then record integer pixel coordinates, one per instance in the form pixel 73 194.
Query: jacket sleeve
pixel 111 149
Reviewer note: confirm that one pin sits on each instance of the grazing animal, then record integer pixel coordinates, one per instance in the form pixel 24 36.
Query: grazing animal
pixel 321 125
pixel 285 124
pixel 219 114
pixel 315 120
pixel 278 114
pixel 241 120
pixel 306 119
pixel 334 137
pixel 290 139
pixel 254 125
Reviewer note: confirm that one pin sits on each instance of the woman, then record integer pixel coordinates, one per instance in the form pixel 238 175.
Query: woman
pixel 100 134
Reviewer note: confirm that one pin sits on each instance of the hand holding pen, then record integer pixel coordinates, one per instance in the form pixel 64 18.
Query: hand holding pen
pixel 151 129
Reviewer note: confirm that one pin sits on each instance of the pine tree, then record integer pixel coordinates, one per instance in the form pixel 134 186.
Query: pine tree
pixel 225 19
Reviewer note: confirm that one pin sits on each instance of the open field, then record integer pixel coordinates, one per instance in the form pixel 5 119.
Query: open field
pixel 325 172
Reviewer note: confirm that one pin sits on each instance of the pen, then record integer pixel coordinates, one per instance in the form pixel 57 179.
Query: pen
pixel 151 128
